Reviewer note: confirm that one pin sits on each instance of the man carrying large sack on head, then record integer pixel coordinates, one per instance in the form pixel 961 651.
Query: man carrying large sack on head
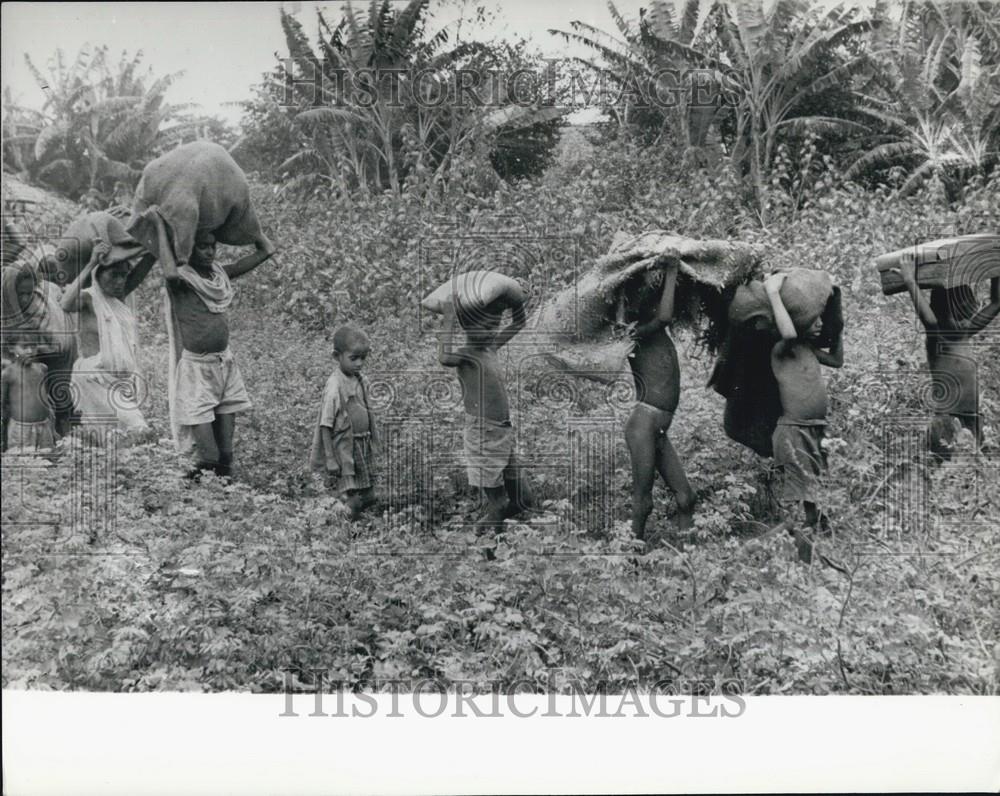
pixel 187 201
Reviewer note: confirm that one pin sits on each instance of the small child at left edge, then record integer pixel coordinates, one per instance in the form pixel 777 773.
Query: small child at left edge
pixel 28 422
pixel 345 439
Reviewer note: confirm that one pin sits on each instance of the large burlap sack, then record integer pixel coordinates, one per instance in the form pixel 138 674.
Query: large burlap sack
pixel 473 289
pixel 601 362
pixel 743 374
pixel 194 187
pixel 585 308
pixel 73 250
pixel 578 322
pixel 805 293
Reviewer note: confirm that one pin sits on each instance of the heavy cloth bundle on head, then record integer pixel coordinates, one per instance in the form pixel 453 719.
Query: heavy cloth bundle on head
pixel 578 321
pixel 804 293
pixel 99 236
pixel 75 247
pixel 473 289
pixel 743 374
pixel 195 187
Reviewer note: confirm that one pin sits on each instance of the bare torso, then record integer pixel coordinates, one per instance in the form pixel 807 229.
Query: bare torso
pixel 484 393
pixel 26 391
pixel 800 381
pixel 654 364
pixel 953 364
pixel 202 332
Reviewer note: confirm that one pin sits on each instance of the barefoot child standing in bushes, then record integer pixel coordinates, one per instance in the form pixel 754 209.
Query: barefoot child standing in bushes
pixel 489 435
pixel 208 387
pixel 345 438
pixel 795 360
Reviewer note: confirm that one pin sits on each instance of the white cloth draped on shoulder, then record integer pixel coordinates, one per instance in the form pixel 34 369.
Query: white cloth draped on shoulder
pixel 216 292
pixel 106 384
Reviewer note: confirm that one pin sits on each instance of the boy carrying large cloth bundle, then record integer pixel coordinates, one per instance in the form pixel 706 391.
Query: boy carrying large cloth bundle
pixel 780 332
pixel 187 201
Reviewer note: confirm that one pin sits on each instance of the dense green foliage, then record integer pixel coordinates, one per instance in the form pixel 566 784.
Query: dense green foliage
pixel 379 105
pixel 212 587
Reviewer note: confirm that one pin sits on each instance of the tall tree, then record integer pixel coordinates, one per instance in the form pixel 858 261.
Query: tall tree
pixel 768 62
pixel 936 94
pixel 377 102
pixel 99 123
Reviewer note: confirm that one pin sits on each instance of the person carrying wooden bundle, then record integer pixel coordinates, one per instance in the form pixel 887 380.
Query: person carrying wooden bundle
pixel 951 318
pixel 477 301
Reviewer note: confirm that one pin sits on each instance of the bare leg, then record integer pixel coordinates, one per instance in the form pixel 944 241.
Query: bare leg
pixel 974 424
pixel 205 450
pixel 640 435
pixel 672 471
pixel 223 428
pixel 942 436
pixel 498 507
pixel 358 500
pixel 517 489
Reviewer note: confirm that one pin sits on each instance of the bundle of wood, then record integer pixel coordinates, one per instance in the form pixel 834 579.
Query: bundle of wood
pixel 943 263
pixel 578 322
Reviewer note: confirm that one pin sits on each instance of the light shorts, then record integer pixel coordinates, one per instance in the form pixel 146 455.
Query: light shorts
pixel 28 437
pixel 209 385
pixel 489 451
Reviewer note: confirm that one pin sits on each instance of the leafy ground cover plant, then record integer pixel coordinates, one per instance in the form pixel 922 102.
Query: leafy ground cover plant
pixel 214 587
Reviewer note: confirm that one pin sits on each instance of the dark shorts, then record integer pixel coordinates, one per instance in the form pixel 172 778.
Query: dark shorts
pixel 800 460
pixel 364 465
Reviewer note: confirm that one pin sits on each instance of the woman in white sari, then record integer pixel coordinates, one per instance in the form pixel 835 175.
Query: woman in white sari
pixel 106 387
